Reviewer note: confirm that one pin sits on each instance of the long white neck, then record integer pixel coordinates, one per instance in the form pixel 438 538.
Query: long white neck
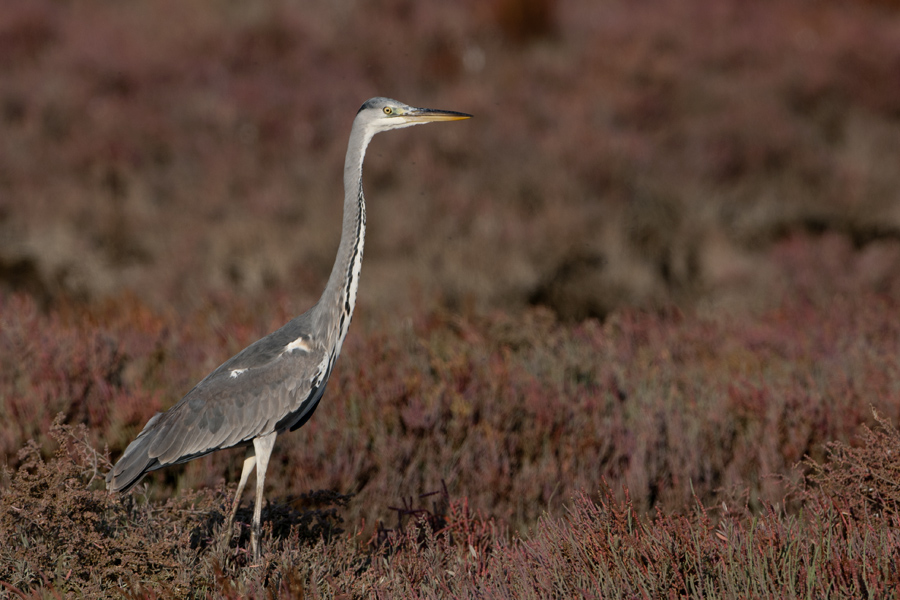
pixel 335 307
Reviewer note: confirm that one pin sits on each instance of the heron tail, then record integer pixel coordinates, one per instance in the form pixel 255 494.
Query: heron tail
pixel 135 461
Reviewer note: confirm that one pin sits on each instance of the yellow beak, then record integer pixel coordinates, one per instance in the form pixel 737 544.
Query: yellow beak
pixel 426 115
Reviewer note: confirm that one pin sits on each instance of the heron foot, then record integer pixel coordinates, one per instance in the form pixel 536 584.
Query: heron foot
pixel 254 541
pixel 228 530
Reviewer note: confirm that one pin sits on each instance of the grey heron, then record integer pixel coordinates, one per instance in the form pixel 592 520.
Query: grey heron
pixel 274 384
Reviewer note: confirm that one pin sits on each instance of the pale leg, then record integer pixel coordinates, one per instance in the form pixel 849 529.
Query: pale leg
pixel 249 463
pixel 263 446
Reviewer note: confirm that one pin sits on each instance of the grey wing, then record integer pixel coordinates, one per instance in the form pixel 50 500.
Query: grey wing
pixel 269 386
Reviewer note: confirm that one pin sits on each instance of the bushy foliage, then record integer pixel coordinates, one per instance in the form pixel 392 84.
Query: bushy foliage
pixel 64 535
pixel 516 413
pixel 863 480
pixel 63 531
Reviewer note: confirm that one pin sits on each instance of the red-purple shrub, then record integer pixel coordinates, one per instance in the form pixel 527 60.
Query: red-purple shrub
pixel 68 536
pixel 65 534
pixel 47 368
pixel 515 413
pixel 862 481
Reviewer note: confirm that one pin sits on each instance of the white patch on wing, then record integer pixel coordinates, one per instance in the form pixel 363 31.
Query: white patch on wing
pixel 322 370
pixel 298 344
pixel 236 372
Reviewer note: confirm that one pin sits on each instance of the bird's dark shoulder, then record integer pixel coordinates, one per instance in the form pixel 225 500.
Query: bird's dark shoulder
pixel 285 359
pixel 269 349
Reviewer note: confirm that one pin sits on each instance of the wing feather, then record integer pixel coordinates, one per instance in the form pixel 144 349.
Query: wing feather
pixel 180 436
pixel 225 410
pixel 162 438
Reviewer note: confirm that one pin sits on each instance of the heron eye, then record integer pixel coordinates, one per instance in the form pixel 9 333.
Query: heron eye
pixel 388 110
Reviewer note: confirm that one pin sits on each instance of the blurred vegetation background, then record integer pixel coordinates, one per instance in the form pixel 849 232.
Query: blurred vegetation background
pixel 623 154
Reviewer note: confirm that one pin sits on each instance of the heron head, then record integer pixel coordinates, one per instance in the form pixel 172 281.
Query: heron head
pixel 382 114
